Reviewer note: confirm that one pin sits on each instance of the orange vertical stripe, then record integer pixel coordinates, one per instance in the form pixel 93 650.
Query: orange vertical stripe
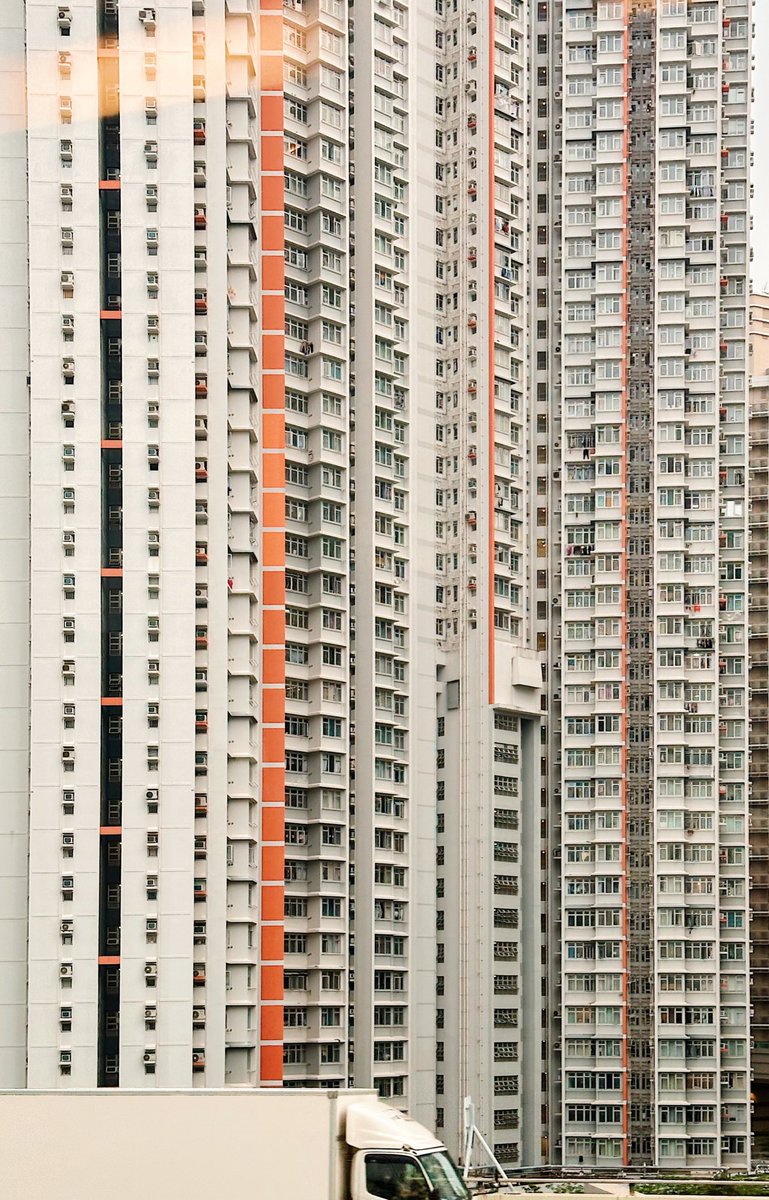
pixel 272 441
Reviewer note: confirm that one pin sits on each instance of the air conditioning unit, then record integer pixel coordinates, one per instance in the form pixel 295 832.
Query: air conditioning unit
pixel 150 1057
pixel 150 1012
pixel 69 709
pixel 68 839
pixel 66 926
pixel 198 1014
pixel 151 970
pixel 151 925
pixel 65 19
pixel 153 710
pixel 66 971
pixel 68 754
pixel 153 497
pixel 153 324
pixel 147 18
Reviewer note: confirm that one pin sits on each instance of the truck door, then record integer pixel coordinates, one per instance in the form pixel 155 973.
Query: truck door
pixel 388 1176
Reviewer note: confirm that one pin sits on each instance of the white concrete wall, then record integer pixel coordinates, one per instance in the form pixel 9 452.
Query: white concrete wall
pixel 14 552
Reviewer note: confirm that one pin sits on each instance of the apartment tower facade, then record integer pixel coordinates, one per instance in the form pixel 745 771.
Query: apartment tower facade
pixel 759 685
pixel 376 654
pixel 654 1012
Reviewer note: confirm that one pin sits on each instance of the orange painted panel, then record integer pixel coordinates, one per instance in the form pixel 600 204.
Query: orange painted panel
pixel 274 587
pixel 273 272
pixel 274 307
pixel 271 36
pixel 273 746
pixel 109 185
pixel 273 860
pixel 274 392
pixel 273 549
pixel 273 510
pixel 270 1063
pixel 271 72
pixel 273 430
pixel 272 193
pixel 111 314
pixel 273 627
pixel 111 830
pixel 271 1022
pixel 273 824
pixel 274 470
pixel 273 706
pixel 272 351
pixel 277 5
pixel 272 983
pixel 111 445
pixel 109 960
pixel 111 701
pixel 272 117
pixel 272 233
pixel 273 784
pixel 273 666
pixel 272 148
pixel 272 903
pixel 114 572
pixel 272 943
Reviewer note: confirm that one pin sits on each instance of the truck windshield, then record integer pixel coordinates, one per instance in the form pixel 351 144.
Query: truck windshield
pixel 443 1176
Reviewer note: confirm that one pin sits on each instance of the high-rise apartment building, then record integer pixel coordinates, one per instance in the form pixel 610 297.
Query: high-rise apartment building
pixel 207 344
pixel 652 668
pixel 593 276
pixel 758 509
pixel 376 377
pixel 149 424
pixel 490 965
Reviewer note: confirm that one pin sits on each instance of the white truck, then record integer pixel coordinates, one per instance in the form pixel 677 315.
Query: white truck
pixel 234 1144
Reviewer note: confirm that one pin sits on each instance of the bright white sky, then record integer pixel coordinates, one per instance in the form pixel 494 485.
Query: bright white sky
pixel 761 149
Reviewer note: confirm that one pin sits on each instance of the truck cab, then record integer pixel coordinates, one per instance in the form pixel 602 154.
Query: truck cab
pixel 395 1158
